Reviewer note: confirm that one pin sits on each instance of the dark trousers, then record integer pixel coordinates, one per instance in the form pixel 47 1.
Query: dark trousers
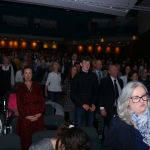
pixel 82 115
pixel 54 96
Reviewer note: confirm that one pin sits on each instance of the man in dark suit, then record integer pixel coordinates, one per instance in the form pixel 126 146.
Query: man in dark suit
pixel 70 63
pixel 98 71
pixel 110 89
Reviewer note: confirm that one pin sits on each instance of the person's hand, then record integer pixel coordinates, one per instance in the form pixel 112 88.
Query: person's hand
pixel 86 107
pixel 29 117
pixel 103 112
pixel 16 113
pixel 92 108
pixel 36 117
pixel 46 94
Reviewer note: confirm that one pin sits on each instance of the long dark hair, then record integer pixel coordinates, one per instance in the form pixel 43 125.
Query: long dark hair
pixel 70 74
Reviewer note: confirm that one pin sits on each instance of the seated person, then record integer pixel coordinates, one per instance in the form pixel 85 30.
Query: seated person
pixel 47 143
pixel 73 139
pixel 12 102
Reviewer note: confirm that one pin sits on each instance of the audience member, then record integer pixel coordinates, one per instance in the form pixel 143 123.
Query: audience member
pixel 50 144
pixel 98 71
pixel 19 77
pixel 74 139
pixel 130 130
pixel 69 105
pixel 31 105
pixel 125 73
pixel 143 78
pixel 12 102
pixel 84 93
pixel 70 63
pixel 110 89
pixel 53 86
pixel 132 76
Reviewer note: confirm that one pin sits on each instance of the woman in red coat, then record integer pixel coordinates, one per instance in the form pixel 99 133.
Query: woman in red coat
pixel 31 105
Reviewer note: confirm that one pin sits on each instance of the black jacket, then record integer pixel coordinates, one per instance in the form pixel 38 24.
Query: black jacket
pixel 84 88
pixel 120 136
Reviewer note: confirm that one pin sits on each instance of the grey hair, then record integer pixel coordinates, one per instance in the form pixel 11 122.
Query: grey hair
pixel 52 66
pixel 123 109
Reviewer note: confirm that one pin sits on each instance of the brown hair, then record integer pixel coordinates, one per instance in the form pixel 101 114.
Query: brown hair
pixel 85 58
pixel 62 128
pixel 70 73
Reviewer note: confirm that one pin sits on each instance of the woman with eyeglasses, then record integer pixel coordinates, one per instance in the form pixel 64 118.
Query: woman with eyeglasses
pixel 130 130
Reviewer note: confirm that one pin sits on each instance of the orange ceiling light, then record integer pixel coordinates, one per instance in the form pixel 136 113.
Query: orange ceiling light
pixel 2 43
pixel 54 46
pixel 80 48
pixel 10 43
pixel 45 46
pixel 117 50
pixel 34 44
pixel 99 48
pixel 15 43
pixel 89 48
pixel 108 49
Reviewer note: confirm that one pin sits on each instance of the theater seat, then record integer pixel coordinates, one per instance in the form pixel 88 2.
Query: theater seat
pixel 10 142
pixel 93 135
pixel 43 134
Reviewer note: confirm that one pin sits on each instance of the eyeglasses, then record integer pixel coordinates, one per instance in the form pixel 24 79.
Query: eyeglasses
pixel 136 99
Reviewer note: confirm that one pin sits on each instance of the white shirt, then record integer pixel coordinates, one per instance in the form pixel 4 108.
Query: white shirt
pixel 54 82
pixel 12 73
pixel 124 79
pixel 19 77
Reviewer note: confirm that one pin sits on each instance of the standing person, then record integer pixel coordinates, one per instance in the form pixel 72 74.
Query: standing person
pixel 98 71
pixel 41 70
pixel 6 76
pixel 84 93
pixel 69 105
pixel 110 89
pixel 125 73
pixel 53 83
pixel 70 63
pixel 31 105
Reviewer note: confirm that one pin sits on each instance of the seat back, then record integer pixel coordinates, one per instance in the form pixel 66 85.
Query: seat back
pixel 43 134
pixel 54 120
pixel 93 135
pixel 14 124
pixel 49 110
pixel 10 141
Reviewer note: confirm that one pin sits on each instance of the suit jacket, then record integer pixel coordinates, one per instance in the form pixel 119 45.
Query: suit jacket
pixel 94 71
pixel 120 136
pixel 107 94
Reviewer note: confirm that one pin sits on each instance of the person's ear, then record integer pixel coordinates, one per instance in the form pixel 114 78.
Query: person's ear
pixel 81 64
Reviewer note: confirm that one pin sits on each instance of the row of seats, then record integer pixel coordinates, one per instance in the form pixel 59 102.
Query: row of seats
pixel 12 141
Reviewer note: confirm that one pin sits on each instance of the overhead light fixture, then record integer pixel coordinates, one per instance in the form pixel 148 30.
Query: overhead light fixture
pixel 127 43
pixel 119 42
pixel 54 42
pixel 109 44
pixel 123 45
pixel 96 44
pixel 102 40
pixel 38 41
pixel 5 38
pixel 21 39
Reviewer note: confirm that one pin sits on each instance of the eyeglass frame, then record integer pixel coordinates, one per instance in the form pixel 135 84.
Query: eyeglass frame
pixel 140 98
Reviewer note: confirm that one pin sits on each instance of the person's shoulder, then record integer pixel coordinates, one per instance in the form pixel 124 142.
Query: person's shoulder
pixel 118 122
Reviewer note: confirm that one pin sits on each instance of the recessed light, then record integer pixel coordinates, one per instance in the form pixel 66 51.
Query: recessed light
pixel 21 39
pixel 53 42
pixel 119 42
pixel 109 44
pixel 127 43
pixel 96 44
pixel 123 45
pixel 5 38
pixel 38 41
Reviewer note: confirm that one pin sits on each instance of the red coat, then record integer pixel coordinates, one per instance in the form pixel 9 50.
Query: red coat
pixel 29 103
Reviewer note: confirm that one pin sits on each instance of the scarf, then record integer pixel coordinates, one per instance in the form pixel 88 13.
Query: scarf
pixel 143 123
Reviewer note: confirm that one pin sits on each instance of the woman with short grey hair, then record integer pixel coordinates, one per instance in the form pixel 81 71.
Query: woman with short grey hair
pixel 130 130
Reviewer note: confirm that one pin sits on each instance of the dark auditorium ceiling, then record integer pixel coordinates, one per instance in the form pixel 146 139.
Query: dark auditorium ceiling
pixel 78 21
